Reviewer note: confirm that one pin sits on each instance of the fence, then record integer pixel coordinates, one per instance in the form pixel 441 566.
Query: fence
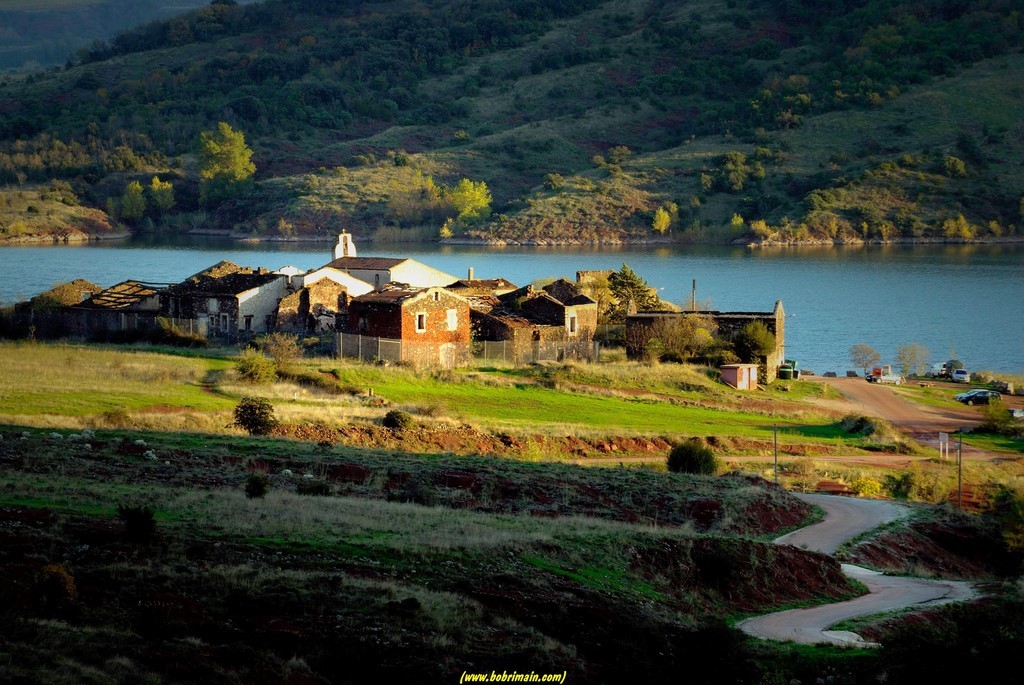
pixel 535 351
pixel 450 355
pixel 368 348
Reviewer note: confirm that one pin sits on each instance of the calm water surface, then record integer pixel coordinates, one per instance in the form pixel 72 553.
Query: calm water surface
pixel 968 298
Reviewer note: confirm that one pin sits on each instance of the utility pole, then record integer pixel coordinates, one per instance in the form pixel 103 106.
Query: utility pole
pixel 960 469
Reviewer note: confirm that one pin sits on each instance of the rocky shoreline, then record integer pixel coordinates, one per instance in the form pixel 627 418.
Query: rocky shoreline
pixel 74 236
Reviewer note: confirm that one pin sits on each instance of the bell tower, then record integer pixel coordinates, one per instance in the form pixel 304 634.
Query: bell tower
pixel 345 247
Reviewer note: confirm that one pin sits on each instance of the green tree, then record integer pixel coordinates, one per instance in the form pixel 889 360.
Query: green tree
pixel 225 164
pixel 631 293
pixel 470 200
pixel 662 220
pixel 754 341
pixel 619 154
pixel 734 171
pixel 864 356
pixel 161 194
pixel 133 202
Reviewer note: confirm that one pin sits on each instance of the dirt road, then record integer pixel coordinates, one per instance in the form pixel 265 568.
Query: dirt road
pixel 884 401
pixel 845 518
pixel 921 422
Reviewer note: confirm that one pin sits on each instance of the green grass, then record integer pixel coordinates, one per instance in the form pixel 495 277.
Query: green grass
pixel 75 381
pixel 601 578
pixel 119 387
pixel 526 405
pixel 994 443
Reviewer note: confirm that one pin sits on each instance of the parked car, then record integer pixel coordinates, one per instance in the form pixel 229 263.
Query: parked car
pixel 961 376
pixel 977 397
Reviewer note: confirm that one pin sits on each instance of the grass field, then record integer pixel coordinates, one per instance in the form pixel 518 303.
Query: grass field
pixel 78 381
pixel 70 386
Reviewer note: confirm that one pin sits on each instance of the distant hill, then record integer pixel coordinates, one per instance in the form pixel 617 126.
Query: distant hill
pixel 586 120
pixel 43 33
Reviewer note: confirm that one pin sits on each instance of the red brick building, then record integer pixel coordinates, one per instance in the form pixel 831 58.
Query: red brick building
pixel 431 323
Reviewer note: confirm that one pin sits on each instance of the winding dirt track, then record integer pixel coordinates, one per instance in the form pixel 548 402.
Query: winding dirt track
pixel 845 518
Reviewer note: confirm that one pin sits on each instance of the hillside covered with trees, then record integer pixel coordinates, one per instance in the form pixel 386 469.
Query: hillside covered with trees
pixel 582 121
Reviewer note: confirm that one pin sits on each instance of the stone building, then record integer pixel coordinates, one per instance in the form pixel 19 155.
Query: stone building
pixel 432 324
pixel 127 306
pixel 225 300
pixel 528 318
pixel 728 323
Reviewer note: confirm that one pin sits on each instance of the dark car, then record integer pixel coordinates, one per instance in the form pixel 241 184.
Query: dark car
pixel 977 397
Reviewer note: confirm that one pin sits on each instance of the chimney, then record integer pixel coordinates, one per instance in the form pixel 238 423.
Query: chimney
pixel 470 276
pixel 345 246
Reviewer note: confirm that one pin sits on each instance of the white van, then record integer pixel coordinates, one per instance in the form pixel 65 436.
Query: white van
pixel 961 376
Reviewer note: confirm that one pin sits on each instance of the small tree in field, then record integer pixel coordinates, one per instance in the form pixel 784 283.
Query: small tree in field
pixel 864 356
pixel 692 456
pixel 255 415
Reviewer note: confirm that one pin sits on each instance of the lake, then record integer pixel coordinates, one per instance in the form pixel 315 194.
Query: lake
pixel 963 299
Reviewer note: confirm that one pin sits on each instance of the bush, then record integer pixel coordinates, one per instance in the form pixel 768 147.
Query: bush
pixel 139 522
pixel 283 348
pixel 899 487
pixel 313 487
pixel 256 485
pixel 866 487
pixel 256 367
pixel 397 420
pixel 255 415
pixel 54 587
pixel 692 456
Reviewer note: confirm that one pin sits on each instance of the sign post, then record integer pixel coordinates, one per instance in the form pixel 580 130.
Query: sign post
pixel 943 445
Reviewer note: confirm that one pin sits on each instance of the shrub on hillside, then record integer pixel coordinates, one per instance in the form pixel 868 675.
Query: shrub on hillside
pixel 256 485
pixel 256 367
pixel 255 415
pixel 313 487
pixel 54 587
pixel 139 522
pixel 692 456
pixel 397 420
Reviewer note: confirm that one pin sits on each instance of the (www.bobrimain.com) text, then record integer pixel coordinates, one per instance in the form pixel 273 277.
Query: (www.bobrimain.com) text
pixel 513 677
